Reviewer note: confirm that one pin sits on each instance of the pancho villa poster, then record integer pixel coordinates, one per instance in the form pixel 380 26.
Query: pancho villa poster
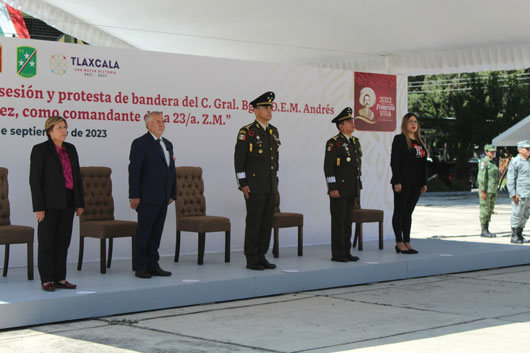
pixel 374 102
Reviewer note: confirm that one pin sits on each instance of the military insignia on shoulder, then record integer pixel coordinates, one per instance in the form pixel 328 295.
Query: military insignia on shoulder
pixel 482 165
pixel 330 147
pixel 242 136
pixel 250 133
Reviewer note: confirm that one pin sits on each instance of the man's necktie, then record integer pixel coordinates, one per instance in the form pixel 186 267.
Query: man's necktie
pixel 159 144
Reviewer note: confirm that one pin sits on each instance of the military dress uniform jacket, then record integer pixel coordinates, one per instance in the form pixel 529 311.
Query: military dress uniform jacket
pixel 342 165
pixel 256 158
pixel 518 177
pixel 488 176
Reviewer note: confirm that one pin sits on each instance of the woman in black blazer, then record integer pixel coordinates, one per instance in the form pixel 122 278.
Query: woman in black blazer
pixel 56 192
pixel 409 179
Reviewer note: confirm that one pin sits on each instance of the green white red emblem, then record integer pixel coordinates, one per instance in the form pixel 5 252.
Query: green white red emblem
pixel 26 61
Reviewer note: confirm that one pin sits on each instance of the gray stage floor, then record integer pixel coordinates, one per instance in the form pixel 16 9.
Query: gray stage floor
pixel 23 303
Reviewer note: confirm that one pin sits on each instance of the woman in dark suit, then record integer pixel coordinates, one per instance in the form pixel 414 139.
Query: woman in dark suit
pixel 56 192
pixel 409 179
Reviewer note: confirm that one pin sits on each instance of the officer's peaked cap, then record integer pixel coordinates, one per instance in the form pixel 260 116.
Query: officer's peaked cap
pixel 265 99
pixel 345 114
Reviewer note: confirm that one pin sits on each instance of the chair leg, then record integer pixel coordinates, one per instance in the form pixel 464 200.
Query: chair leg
pixel 275 246
pixel 177 247
pixel 102 255
pixel 202 241
pixel 30 261
pixel 227 246
pixel 300 240
pixel 354 245
pixel 6 260
pixel 360 236
pixel 109 259
pixel 380 235
pixel 81 248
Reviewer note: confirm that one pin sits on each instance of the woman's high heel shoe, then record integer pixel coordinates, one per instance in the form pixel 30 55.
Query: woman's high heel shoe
pixel 399 251
pixel 412 251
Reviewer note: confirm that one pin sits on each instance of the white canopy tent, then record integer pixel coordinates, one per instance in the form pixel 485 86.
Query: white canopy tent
pixel 518 132
pixel 407 37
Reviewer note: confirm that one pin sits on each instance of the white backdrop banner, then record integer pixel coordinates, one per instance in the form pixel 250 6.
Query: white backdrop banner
pixel 104 93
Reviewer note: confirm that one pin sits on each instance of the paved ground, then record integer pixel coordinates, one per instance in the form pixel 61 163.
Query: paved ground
pixel 486 311
pixel 457 216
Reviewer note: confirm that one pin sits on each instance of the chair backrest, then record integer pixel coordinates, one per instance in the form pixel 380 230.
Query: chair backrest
pixel 277 202
pixel 4 198
pixel 97 188
pixel 190 189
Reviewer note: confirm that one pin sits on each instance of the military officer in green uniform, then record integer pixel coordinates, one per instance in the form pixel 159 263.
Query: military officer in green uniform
pixel 488 182
pixel 256 165
pixel 342 167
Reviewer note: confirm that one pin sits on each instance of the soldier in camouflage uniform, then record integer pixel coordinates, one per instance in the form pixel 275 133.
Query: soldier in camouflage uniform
pixel 342 167
pixel 256 164
pixel 488 180
pixel 518 183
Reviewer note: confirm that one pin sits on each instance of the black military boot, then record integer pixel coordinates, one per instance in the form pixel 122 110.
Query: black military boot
pixel 515 239
pixel 492 235
pixel 485 233
pixel 520 235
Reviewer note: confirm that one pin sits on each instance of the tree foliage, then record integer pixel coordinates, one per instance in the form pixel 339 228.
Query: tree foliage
pixel 466 111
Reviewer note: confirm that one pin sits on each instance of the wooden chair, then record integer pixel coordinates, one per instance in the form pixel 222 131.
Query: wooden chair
pixel 190 208
pixel 286 220
pixel 362 215
pixel 10 234
pixel 97 221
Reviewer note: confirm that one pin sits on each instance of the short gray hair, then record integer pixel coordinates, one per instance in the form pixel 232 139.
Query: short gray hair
pixel 150 114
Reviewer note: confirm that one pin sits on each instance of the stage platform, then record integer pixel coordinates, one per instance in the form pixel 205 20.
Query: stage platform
pixel 23 303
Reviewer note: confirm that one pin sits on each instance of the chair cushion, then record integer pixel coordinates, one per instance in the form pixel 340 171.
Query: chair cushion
pixel 363 215
pixel 203 224
pixel 16 234
pixel 285 220
pixel 107 229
